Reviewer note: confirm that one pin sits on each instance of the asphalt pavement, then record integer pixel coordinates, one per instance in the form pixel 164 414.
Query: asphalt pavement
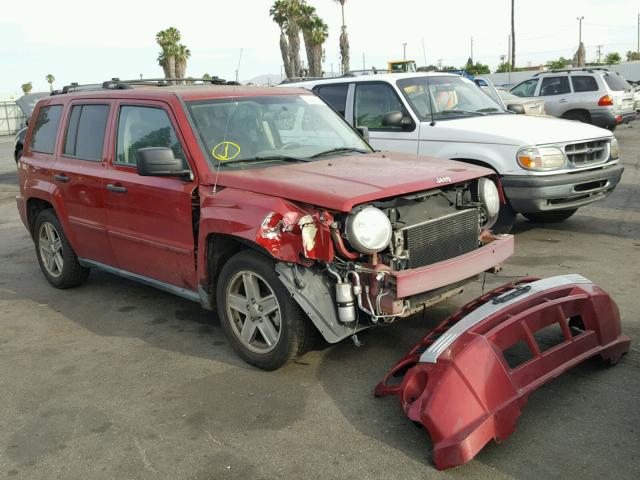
pixel 116 380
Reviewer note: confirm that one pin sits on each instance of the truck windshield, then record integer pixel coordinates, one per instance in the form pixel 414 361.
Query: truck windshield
pixel 448 96
pixel 246 131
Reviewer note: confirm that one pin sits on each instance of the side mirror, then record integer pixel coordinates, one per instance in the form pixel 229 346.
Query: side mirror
pixel 396 119
pixel 516 108
pixel 364 132
pixel 159 162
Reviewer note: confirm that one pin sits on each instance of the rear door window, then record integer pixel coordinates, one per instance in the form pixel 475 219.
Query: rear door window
pixel 584 83
pixel 45 130
pixel 141 127
pixel 334 95
pixel 85 132
pixel 526 89
pixel 554 86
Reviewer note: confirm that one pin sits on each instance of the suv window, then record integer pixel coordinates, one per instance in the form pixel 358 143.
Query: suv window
pixel 85 132
pixel 45 129
pixel 334 95
pixel 554 86
pixel 526 89
pixel 584 83
pixel 616 83
pixel 373 101
pixel 141 127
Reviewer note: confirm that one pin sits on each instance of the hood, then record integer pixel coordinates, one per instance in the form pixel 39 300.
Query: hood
pixel 341 183
pixel 28 102
pixel 517 130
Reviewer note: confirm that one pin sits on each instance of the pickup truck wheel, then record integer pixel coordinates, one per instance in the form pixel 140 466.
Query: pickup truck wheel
pixel 261 320
pixel 57 260
pixel 550 217
pixel 506 219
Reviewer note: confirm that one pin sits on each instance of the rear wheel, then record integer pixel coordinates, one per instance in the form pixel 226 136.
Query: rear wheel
pixel 261 320
pixel 57 260
pixel 550 217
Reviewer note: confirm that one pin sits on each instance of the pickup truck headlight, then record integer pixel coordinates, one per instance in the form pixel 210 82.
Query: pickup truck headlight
pixel 369 230
pixel 490 199
pixel 615 151
pixel 541 158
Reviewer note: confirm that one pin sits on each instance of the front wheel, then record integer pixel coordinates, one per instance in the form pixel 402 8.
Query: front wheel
pixel 57 260
pixel 262 322
pixel 550 217
pixel 506 219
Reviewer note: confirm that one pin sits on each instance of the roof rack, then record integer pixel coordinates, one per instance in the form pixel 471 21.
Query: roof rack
pixel 577 69
pixel 117 84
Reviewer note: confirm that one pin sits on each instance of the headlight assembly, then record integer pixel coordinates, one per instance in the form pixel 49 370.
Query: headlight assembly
pixel 541 158
pixel 369 230
pixel 615 151
pixel 490 199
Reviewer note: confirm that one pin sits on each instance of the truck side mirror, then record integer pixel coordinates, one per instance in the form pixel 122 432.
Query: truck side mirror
pixel 397 119
pixel 159 162
pixel 364 132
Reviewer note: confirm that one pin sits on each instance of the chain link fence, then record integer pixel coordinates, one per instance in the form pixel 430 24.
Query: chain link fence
pixel 11 118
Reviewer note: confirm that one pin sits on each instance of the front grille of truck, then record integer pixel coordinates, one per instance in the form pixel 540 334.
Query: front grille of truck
pixel 442 238
pixel 587 153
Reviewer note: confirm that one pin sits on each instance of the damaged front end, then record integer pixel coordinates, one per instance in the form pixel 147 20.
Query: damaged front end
pixel 464 383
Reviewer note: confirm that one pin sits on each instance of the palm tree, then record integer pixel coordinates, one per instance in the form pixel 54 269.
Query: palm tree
pixel 513 37
pixel 182 54
pixel 344 41
pixel 26 88
pixel 315 32
pixel 278 13
pixel 288 14
pixel 50 79
pixel 168 40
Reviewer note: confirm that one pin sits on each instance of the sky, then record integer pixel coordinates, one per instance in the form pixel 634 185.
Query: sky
pixel 88 42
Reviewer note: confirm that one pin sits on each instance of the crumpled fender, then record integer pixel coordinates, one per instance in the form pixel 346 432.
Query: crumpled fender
pixel 457 382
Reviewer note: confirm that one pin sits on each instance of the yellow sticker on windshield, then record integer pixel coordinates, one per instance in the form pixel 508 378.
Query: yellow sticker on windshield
pixel 225 151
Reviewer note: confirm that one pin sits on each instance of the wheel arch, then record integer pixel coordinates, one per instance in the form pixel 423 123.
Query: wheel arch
pixel 578 111
pixel 35 205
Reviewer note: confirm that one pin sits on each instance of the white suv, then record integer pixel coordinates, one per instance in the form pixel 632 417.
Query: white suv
pixel 548 167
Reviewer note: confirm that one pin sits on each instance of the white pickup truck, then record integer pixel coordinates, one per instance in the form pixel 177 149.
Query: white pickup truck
pixel 548 167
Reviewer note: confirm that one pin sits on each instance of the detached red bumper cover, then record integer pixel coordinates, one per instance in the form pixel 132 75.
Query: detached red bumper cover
pixel 457 381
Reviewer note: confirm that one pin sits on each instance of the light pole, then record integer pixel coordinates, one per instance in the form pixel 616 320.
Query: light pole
pixel 404 51
pixel 580 30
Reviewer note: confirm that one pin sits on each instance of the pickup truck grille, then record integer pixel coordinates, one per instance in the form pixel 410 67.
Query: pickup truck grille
pixel 586 153
pixel 442 238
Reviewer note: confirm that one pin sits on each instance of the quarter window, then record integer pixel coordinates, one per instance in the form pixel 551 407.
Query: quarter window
pixel 554 86
pixel 335 95
pixel 85 132
pixel 525 89
pixel 584 84
pixel 45 129
pixel 373 101
pixel 141 127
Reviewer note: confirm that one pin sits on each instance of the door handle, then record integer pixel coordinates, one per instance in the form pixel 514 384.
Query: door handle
pixel 562 100
pixel 116 188
pixel 61 177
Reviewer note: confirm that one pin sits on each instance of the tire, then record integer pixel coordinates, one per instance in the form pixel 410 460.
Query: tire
pixel 579 116
pixel 17 155
pixel 550 217
pixel 57 260
pixel 267 341
pixel 506 219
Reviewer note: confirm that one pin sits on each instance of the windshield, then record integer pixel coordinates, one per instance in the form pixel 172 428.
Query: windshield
pixel 272 129
pixel 448 96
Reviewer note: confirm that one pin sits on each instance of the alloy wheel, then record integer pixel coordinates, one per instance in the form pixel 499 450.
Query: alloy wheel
pixel 50 246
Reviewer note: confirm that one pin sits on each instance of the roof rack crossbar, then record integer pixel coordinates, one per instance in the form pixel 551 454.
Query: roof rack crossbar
pixel 117 84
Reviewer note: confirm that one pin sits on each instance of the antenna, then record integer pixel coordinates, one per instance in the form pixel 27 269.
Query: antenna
pixel 238 69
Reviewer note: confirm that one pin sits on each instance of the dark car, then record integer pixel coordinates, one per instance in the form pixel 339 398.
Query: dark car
pixel 26 103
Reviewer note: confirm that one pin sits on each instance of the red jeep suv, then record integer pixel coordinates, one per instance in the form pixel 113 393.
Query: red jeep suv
pixel 261 203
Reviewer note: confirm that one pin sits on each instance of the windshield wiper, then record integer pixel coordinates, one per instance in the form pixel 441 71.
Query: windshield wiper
pixel 466 112
pixel 490 109
pixel 339 150
pixel 270 158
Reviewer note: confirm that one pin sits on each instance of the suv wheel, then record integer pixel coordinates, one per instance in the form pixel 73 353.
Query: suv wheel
pixel 261 320
pixel 57 260
pixel 506 219
pixel 579 116
pixel 550 217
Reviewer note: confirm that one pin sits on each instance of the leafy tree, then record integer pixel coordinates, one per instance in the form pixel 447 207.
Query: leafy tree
pixel 476 68
pixel 26 88
pixel 344 41
pixel 613 57
pixel 50 79
pixel 558 64
pixel 287 14
pixel 173 55
pixel 632 56
pixel 315 32
pixel 182 55
pixel 206 76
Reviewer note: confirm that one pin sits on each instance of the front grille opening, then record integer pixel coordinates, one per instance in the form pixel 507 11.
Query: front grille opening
pixel 549 337
pixel 584 187
pixel 517 354
pixel 586 153
pixel 576 324
pixel 443 238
